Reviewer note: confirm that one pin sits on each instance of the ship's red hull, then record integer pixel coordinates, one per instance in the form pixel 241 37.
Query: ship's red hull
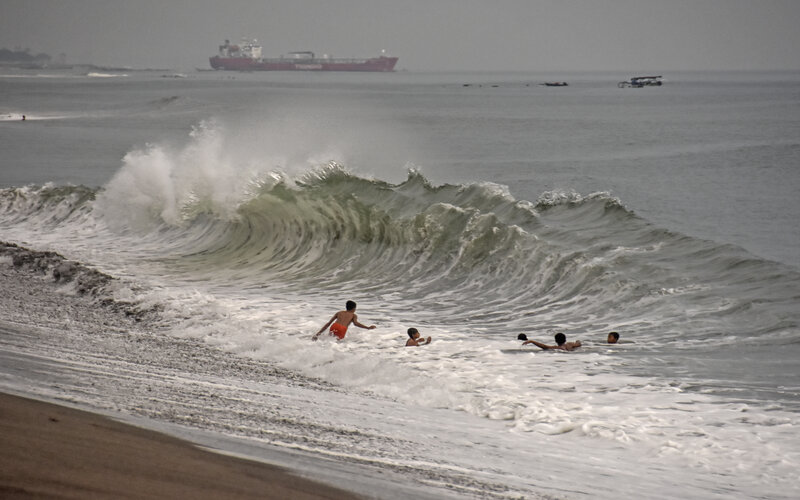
pixel 381 63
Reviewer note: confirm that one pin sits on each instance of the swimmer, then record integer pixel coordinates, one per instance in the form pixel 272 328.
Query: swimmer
pixel 341 320
pixel 613 337
pixel 561 341
pixel 415 339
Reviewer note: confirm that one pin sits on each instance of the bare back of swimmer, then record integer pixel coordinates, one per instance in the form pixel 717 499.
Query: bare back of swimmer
pixel 341 321
pixel 561 343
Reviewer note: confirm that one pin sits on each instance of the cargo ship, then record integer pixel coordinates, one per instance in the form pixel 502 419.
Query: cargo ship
pixel 246 56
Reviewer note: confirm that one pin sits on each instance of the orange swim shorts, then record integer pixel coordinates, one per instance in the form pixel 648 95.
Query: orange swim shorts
pixel 339 330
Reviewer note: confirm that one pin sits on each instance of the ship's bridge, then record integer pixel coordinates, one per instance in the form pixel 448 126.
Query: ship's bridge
pixel 247 49
pixel 251 49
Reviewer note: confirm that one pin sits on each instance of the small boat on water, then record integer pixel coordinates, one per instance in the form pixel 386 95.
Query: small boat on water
pixel 555 84
pixel 641 81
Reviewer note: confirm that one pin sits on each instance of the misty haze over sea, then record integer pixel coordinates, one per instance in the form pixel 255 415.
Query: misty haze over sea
pixel 206 224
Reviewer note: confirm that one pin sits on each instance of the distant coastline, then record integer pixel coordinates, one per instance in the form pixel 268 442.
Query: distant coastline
pixel 24 59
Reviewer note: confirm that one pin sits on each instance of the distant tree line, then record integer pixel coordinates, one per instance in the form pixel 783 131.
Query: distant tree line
pixel 23 56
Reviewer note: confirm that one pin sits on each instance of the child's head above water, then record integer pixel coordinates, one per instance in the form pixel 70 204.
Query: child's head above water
pixel 412 332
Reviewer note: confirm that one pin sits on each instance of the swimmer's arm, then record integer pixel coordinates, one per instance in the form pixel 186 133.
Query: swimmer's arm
pixel 355 322
pixel 326 326
pixel 538 344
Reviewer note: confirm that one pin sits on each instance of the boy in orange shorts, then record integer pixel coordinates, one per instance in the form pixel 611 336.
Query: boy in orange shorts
pixel 341 320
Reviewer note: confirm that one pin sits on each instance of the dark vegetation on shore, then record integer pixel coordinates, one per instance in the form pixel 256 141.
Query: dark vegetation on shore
pixel 24 58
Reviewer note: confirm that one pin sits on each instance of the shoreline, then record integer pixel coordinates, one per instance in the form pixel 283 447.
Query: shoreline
pixel 66 345
pixel 83 450
pixel 51 450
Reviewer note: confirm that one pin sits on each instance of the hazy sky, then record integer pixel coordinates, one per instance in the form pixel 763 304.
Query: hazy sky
pixel 526 35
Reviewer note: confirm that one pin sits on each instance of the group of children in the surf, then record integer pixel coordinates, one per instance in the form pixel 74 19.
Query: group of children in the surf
pixel 561 341
pixel 343 319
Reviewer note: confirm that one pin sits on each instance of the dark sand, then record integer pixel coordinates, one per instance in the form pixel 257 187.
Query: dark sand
pixel 51 451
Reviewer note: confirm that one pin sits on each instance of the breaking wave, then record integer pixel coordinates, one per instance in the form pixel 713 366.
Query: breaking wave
pixel 472 250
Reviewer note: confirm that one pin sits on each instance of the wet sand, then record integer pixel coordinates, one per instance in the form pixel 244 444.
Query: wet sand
pixel 52 451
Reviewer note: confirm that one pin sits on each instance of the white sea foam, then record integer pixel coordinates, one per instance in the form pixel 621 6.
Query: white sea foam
pixel 18 117
pixel 98 74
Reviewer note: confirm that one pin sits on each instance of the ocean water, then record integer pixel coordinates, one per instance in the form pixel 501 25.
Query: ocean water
pixel 244 209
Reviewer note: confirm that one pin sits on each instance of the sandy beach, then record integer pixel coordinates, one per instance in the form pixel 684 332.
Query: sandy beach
pixel 55 451
pixel 52 451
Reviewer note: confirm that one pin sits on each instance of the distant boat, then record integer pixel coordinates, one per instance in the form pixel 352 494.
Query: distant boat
pixel 555 84
pixel 247 57
pixel 641 81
